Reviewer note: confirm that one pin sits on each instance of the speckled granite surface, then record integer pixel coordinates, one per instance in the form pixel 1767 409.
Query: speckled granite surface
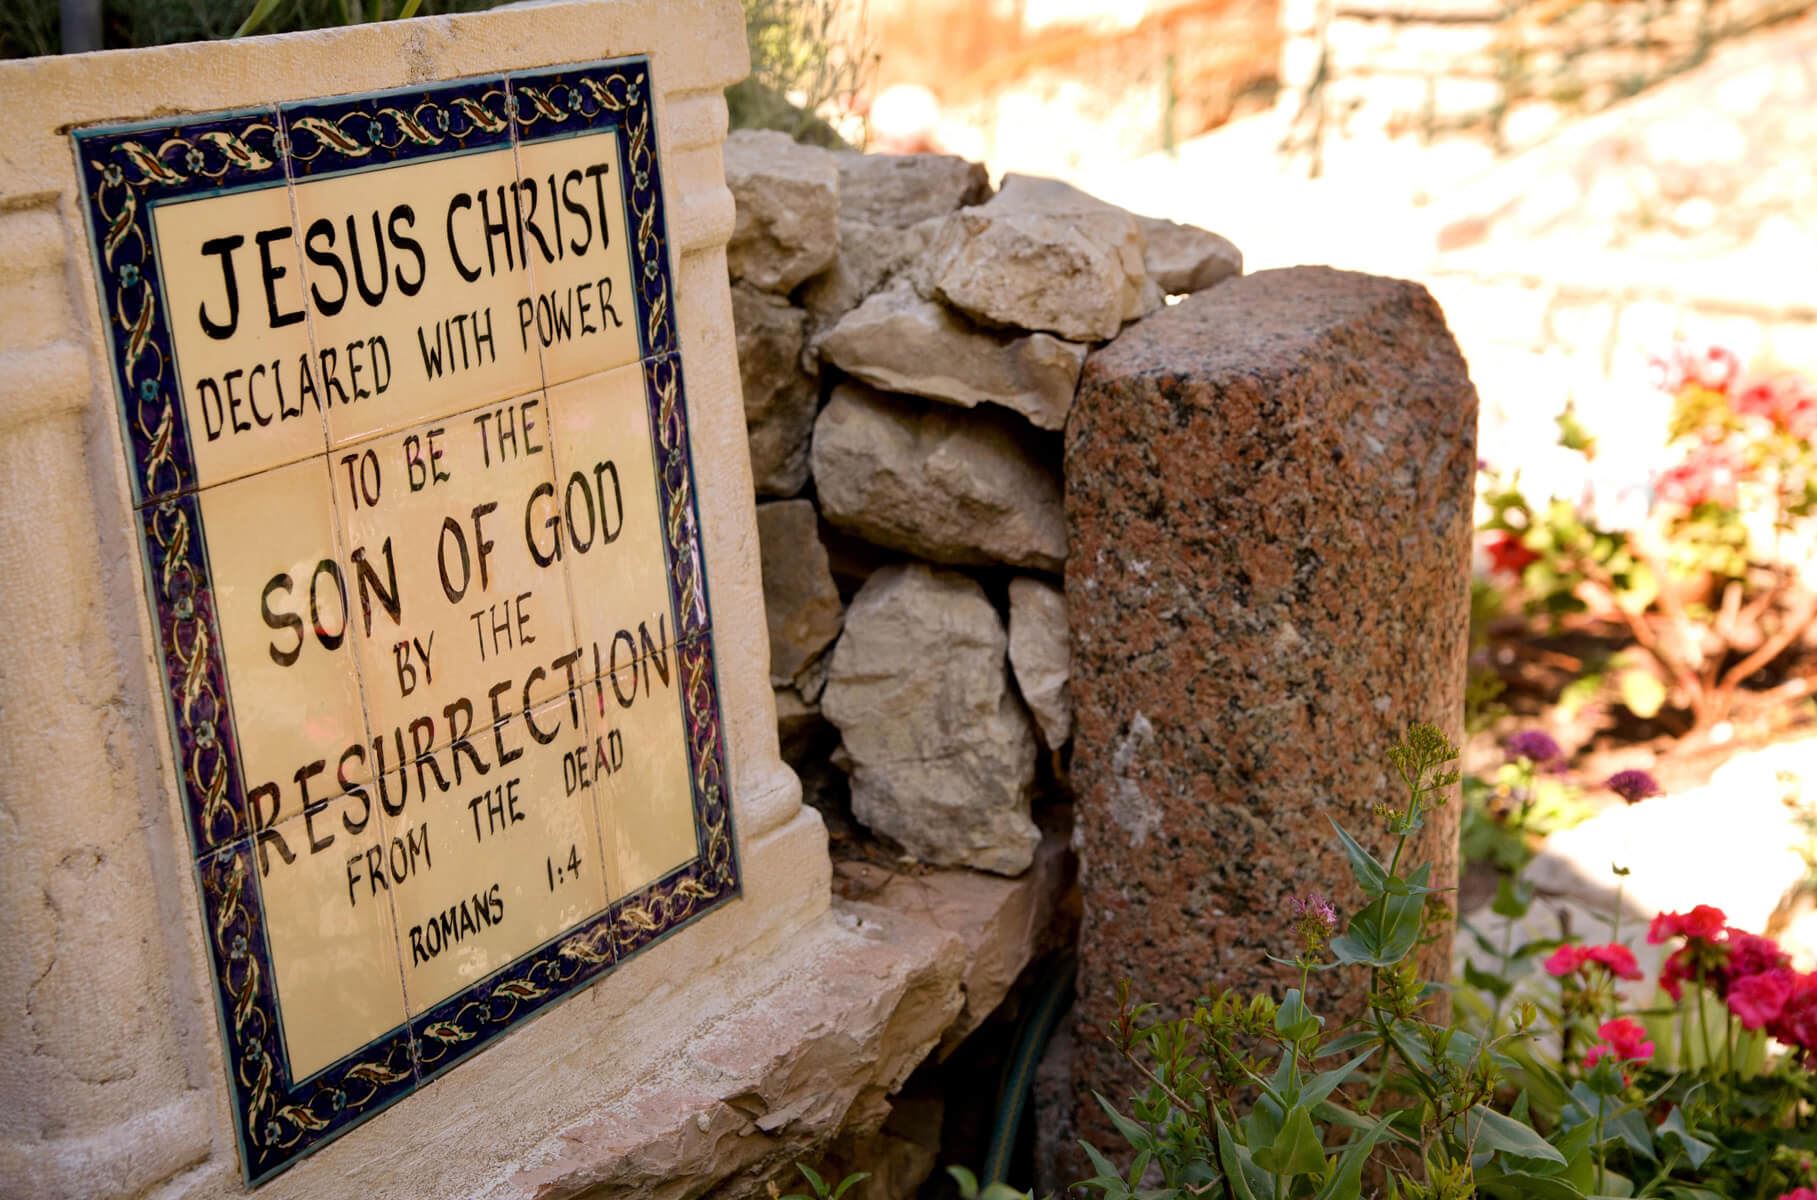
pixel 1268 498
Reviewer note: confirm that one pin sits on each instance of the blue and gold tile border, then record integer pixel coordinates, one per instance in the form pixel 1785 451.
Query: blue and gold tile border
pixel 128 169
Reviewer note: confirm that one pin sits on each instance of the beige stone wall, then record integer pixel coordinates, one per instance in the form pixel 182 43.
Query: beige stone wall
pixel 1510 73
pixel 111 1071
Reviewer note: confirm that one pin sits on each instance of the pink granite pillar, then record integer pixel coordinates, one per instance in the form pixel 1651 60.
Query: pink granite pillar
pixel 1268 497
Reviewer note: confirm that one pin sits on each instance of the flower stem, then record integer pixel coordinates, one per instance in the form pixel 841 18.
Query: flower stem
pixel 1601 1154
pixel 1703 1027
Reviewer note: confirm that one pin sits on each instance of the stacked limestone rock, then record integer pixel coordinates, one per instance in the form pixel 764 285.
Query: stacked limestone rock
pixel 910 346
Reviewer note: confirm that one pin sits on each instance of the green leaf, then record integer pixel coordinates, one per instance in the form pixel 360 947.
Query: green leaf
pixel 1640 590
pixel 1387 929
pixel 1138 1137
pixel 1107 1180
pixel 1346 1182
pixel 1490 1130
pixel 1325 1082
pixel 1136 1170
pixel 1232 1164
pixel 1370 874
pixel 1696 1150
pixel 1486 981
pixel 1264 1122
pixel 1513 897
pixel 1631 1128
pixel 261 12
pixel 409 9
pixel 813 1177
pixel 850 1181
pixel 1296 1149
pixel 1519 1185
pixel 1642 693
pixel 1293 1020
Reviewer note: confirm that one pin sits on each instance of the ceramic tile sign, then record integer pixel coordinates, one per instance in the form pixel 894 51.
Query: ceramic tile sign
pixel 404 420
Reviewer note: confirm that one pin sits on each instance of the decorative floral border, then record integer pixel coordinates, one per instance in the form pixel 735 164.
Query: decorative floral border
pixel 125 170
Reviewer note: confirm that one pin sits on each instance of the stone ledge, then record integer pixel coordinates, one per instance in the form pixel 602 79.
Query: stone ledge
pixel 1004 924
pixel 810 1045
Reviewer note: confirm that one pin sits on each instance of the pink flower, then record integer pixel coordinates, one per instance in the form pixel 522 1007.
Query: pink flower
pixel 1565 961
pixel 1702 923
pixel 1674 972
pixel 1628 1037
pixel 1759 999
pixel 1751 954
pixel 1623 1039
pixel 1669 374
pixel 1617 960
pixel 1803 1193
pixel 1796 1024
pixel 1787 401
pixel 1715 368
pixel 1614 958
pixel 1709 474
pixel 1314 920
pixel 1314 908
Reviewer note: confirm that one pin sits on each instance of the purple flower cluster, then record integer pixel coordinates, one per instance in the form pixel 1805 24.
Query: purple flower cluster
pixel 1536 746
pixel 1633 785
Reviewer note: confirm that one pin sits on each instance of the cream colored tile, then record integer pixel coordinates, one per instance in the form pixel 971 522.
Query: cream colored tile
pixel 327 879
pixel 646 821
pixel 516 855
pixel 287 611
pixel 233 301
pixel 585 311
pixel 605 515
pixel 416 278
pixel 465 622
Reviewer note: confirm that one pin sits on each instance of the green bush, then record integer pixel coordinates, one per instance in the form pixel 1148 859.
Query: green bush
pixel 808 58
pixel 30 27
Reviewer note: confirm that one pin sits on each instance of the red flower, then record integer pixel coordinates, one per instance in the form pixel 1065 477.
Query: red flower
pixel 1623 1039
pixel 1507 554
pixel 1750 954
pixel 1796 1024
pixel 1759 999
pixel 1786 401
pixel 1617 959
pixel 1675 971
pixel 1565 961
pixel 1803 1193
pixel 1715 368
pixel 1702 923
pixel 1614 958
pixel 1708 475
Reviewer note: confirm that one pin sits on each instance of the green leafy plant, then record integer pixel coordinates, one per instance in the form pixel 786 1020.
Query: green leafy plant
pixel 821 1189
pixel 1507 809
pixel 1253 1098
pixel 811 61
pixel 31 27
pixel 319 13
pixel 1566 1091
pixel 970 1189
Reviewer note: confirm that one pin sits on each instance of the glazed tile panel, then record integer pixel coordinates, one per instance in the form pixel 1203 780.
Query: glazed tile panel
pixel 408 442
